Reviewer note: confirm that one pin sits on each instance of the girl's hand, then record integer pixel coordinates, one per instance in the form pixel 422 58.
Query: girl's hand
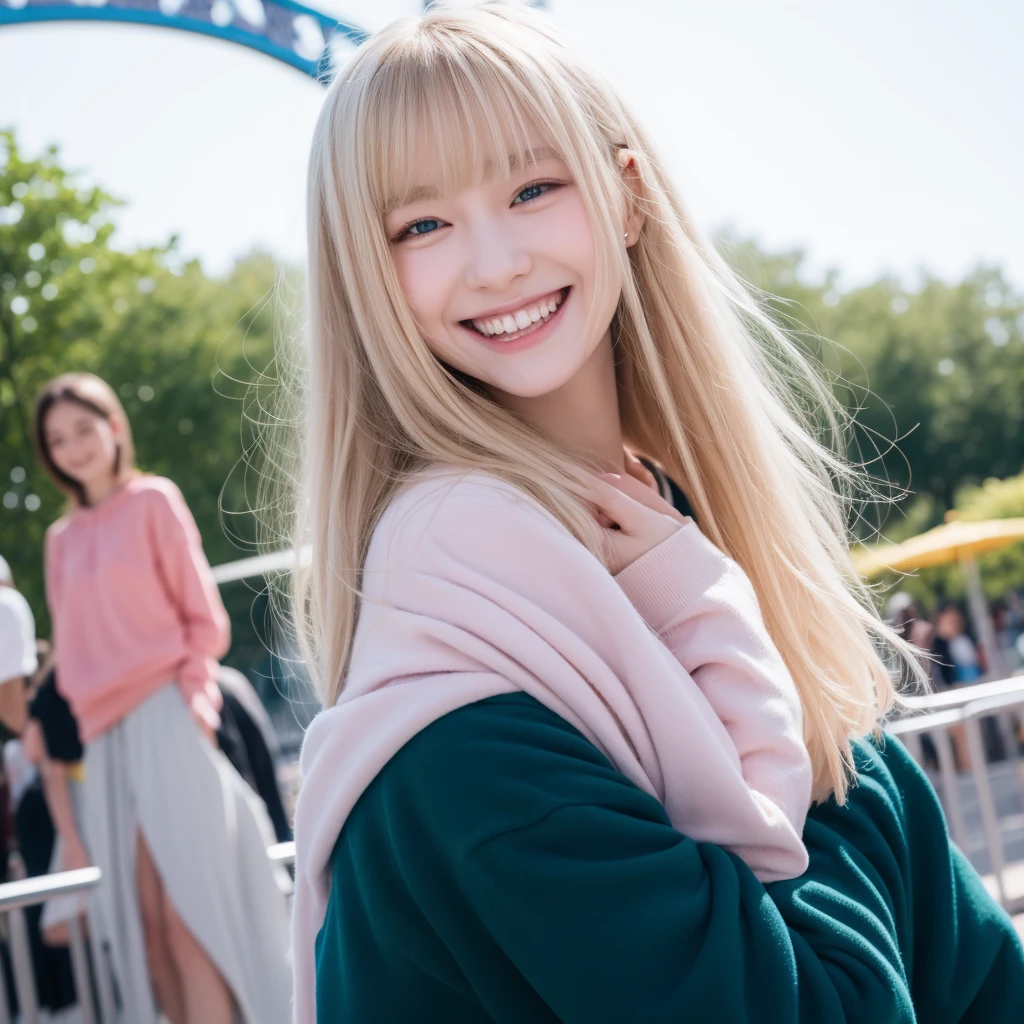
pixel 32 744
pixel 635 518
pixel 73 855
pixel 205 714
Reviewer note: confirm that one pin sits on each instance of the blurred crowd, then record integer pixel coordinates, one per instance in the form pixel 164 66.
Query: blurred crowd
pixel 953 653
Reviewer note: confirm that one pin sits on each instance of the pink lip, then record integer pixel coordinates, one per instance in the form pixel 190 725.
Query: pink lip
pixel 527 340
pixel 513 306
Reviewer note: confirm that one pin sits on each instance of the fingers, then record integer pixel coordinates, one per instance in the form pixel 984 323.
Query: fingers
pixel 614 505
pixel 643 494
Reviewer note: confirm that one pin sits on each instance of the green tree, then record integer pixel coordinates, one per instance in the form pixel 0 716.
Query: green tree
pixel 935 375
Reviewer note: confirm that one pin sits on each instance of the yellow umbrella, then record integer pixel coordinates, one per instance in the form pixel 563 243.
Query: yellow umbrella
pixel 954 541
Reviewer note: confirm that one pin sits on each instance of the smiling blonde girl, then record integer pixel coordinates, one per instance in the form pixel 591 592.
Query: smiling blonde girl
pixel 570 731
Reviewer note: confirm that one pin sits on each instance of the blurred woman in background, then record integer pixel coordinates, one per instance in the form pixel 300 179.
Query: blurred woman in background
pixel 955 651
pixel 190 910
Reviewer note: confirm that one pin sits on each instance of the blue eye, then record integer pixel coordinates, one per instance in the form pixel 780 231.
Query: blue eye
pixel 533 192
pixel 423 227
pixel 428 225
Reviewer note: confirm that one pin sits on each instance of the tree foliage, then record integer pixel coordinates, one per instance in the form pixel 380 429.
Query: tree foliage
pixel 935 378
pixel 935 375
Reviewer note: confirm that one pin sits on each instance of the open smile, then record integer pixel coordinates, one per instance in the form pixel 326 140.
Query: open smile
pixel 507 327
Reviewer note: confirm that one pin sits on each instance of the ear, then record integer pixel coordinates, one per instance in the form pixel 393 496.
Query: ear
pixel 117 426
pixel 635 216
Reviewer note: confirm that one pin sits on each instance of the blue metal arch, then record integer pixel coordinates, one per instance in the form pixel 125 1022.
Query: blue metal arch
pixel 289 32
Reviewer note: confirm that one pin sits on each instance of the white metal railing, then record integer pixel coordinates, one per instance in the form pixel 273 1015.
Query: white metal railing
pixel 965 708
pixel 282 853
pixel 14 898
pixel 967 694
pixel 260 565
pixel 30 892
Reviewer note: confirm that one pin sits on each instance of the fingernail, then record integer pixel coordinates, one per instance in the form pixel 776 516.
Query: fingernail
pixel 611 476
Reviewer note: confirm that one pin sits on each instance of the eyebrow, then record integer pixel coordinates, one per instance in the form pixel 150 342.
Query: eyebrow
pixel 419 193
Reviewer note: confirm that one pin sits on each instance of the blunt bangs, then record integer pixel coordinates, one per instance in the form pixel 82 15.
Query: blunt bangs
pixel 456 104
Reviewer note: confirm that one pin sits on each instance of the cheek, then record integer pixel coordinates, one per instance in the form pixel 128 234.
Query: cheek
pixel 59 455
pixel 106 442
pixel 568 239
pixel 98 444
pixel 427 278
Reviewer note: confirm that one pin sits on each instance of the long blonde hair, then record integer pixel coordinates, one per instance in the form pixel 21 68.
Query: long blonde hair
pixel 709 387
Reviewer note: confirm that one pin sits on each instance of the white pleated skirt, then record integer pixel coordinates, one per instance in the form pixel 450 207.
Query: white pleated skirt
pixel 155 773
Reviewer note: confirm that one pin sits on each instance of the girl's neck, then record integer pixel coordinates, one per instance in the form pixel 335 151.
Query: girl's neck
pixel 582 416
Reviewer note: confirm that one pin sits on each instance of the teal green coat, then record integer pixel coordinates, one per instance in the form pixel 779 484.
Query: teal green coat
pixel 500 869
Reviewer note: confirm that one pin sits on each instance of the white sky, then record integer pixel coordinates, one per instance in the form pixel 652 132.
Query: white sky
pixel 882 135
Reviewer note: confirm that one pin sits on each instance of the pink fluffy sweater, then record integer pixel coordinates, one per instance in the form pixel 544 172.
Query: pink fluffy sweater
pixel 133 603
pixel 471 589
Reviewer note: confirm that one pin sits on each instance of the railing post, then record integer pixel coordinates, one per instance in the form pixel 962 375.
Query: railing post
pixel 80 969
pixel 104 982
pixel 950 786
pixel 5 1009
pixel 1008 736
pixel 24 977
pixel 912 741
pixel 989 819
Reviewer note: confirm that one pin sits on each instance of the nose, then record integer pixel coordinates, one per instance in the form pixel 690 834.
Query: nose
pixel 495 257
pixel 77 451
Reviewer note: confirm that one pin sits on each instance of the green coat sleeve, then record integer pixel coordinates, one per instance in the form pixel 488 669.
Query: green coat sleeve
pixel 611 915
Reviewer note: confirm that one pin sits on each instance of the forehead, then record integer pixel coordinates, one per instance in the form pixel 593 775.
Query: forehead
pixel 66 413
pixel 426 177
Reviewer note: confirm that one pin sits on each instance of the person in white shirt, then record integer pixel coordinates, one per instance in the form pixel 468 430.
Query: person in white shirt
pixel 17 650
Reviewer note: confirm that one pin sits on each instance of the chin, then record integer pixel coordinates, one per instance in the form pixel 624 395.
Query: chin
pixel 528 390
pixel 535 382
pixel 86 478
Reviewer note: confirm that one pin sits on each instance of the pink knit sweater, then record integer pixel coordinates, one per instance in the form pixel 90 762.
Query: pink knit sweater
pixel 471 590
pixel 133 603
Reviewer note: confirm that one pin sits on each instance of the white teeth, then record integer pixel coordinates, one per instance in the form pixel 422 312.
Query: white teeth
pixel 520 319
